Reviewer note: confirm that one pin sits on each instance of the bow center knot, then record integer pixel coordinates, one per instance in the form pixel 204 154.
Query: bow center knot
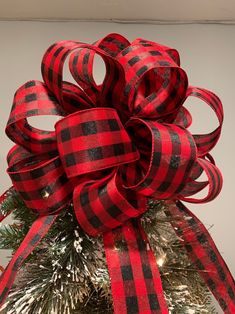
pixel 92 140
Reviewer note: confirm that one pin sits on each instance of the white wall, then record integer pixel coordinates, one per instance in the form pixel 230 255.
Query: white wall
pixel 207 54
pixel 161 10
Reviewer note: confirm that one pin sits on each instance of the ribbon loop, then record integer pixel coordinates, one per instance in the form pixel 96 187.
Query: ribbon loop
pixel 205 142
pixel 173 53
pixel 81 63
pixel 52 73
pixel 92 140
pixel 183 118
pixel 32 99
pixel 42 183
pixel 155 84
pixel 215 182
pixel 103 205
pixel 167 156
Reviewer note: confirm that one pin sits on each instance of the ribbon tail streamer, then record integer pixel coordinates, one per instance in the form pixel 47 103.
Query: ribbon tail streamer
pixel 37 231
pixel 2 199
pixel 135 279
pixel 204 254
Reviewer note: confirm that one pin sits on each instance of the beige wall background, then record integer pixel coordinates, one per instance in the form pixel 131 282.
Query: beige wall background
pixel 207 54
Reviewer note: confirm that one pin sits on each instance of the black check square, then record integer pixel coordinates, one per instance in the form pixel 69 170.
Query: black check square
pixel 127 273
pixel 16 177
pixel 164 186
pixel 162 107
pixel 155 53
pixel 175 138
pixel 202 239
pixel 156 159
pixel 95 153
pixel 231 293
pixel 18 262
pixel 114 211
pixel 164 63
pixel 223 304
pixel 118 149
pixel 113 125
pixel 86 58
pixel 211 284
pixel 37 173
pixel 84 198
pixel 31 97
pixel 70 160
pixel 174 162
pixel 141 244
pixel 153 302
pixel 133 60
pixel 222 274
pixel 57 52
pixel 25 195
pixel 65 135
pixel 147 271
pixel 132 305
pixel 35 239
pixel 127 89
pixel 50 75
pixel 29 84
pixel 95 222
pixel 33 112
pixel 141 71
pixel 89 128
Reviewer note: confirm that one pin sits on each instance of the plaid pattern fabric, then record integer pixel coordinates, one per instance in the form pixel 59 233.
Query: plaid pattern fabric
pixel 136 283
pixel 172 156
pixel 38 230
pixel 103 205
pixel 44 189
pixel 214 181
pixel 204 255
pixel 117 144
pixel 163 75
pixel 88 138
pixel 32 99
pixel 2 199
pixel 17 153
pixel 205 142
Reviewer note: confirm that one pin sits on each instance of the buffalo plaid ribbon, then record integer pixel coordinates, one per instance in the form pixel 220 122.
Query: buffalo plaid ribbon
pixel 3 215
pixel 117 144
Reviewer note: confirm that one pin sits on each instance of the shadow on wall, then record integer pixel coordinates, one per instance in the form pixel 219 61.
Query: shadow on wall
pixel 5 179
pixel 5 183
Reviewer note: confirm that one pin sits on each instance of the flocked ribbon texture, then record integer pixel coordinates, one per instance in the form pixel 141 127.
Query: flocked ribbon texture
pixel 118 143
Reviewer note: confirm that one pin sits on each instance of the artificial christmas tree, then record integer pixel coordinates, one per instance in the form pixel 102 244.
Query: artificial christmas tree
pixel 98 202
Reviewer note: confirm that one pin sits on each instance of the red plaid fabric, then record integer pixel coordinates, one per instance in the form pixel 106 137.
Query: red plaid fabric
pixel 204 255
pixel 118 144
pixel 135 279
pixel 87 138
pixel 45 189
pixel 38 230
pixel 172 154
pixel 103 205
pixel 2 199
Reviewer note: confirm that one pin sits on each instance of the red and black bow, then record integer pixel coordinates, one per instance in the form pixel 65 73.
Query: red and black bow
pixel 118 144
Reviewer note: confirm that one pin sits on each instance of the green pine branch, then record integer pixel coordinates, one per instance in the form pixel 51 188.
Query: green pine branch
pixel 67 272
pixel 11 236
